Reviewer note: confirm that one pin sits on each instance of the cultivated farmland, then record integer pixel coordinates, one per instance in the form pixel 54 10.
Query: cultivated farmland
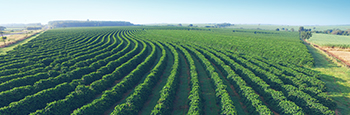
pixel 161 71
pixel 327 40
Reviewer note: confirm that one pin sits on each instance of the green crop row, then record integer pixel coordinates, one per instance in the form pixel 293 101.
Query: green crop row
pixel 136 100
pixel 263 89
pixel 227 107
pixel 167 94
pixel 195 97
pixel 109 97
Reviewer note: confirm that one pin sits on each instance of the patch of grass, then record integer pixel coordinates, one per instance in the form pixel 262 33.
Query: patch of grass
pixel 336 77
pixel 331 40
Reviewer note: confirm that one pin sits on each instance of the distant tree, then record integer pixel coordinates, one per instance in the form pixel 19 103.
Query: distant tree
pixel 190 25
pixel 306 34
pixel 338 32
pixel 292 29
pixel 286 29
pixel 179 25
pixel 301 28
pixel 2 28
pixel 282 28
pixel 4 39
pixel 314 27
pixel 224 24
pixel 277 29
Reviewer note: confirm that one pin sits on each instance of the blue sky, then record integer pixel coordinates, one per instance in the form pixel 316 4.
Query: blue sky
pixel 282 12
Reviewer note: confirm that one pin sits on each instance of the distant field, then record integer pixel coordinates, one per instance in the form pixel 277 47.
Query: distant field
pixel 296 28
pixel 330 40
pixel 267 27
pixel 15 28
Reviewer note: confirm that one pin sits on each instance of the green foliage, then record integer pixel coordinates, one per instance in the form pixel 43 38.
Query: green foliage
pixel 327 40
pixel 306 35
pixel 90 70
pixel 167 94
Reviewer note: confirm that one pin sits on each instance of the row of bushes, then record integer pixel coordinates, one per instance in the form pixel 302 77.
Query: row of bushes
pixel 19 82
pixel 76 99
pixel 227 106
pixel 262 88
pixel 272 97
pixel 195 96
pixel 136 100
pixel 75 74
pixel 315 92
pixel 42 84
pixel 29 57
pixel 167 94
pixel 115 94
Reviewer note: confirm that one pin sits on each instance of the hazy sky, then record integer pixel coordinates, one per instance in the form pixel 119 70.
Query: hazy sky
pixel 286 12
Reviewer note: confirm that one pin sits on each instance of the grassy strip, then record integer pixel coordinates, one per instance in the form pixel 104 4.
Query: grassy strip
pixel 336 78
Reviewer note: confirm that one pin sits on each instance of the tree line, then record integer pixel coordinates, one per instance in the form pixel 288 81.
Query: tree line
pixel 71 23
pixel 335 32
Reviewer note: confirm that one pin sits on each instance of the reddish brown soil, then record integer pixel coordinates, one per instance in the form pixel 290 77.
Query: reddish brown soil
pixel 115 104
pixel 149 97
pixel 2 45
pixel 233 89
pixel 336 112
pixel 338 53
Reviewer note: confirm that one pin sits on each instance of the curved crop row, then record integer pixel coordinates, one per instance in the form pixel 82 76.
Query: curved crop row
pixel 195 97
pixel 274 98
pixel 136 100
pixel 167 94
pixel 226 103
pixel 263 89
pixel 109 97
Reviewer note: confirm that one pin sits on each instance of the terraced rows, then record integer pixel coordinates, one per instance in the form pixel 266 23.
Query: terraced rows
pixel 124 71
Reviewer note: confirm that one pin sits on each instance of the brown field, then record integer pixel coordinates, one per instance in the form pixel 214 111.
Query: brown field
pixel 339 53
pixel 12 39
